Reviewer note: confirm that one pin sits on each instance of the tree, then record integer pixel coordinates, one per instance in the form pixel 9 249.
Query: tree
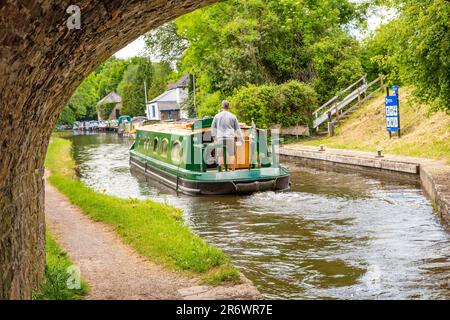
pixel 131 88
pixel 235 43
pixel 105 79
pixel 161 74
pixel 336 64
pixel 105 109
pixel 413 49
pixel 110 74
pixel 166 42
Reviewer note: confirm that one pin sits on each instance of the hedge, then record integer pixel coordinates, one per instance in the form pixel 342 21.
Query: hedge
pixel 288 104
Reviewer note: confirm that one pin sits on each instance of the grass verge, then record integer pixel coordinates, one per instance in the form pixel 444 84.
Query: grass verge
pixel 154 230
pixel 56 277
pixel 423 134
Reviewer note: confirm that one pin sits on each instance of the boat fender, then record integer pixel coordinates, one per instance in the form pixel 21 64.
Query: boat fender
pixel 255 186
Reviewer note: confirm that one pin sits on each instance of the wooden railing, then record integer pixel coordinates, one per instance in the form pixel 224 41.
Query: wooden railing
pixel 324 114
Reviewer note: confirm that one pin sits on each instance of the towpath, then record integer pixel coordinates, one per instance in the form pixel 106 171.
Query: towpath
pixel 113 270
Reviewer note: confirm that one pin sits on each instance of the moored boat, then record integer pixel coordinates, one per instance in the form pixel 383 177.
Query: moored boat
pixel 182 156
pixel 124 125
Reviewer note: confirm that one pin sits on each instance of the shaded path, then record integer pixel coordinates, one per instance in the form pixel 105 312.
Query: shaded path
pixel 113 270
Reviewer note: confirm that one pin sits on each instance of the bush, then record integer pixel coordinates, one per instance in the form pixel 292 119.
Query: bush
pixel 209 104
pixel 105 109
pixel 288 104
pixel 253 103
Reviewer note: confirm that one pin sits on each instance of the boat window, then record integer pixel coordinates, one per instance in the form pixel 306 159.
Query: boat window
pixel 177 152
pixel 155 144
pixel 164 147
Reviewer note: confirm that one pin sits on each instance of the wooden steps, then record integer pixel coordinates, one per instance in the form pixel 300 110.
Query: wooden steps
pixel 342 110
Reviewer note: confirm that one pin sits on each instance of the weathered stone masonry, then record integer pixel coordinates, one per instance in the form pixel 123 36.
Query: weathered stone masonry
pixel 41 64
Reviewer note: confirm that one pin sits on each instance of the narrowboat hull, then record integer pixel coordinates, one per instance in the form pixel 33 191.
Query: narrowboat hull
pixel 211 182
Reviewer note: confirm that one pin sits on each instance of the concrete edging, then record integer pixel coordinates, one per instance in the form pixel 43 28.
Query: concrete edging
pixel 434 175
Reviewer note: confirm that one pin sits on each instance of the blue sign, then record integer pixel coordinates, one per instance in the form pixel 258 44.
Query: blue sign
pixel 395 89
pixel 392 113
pixel 391 101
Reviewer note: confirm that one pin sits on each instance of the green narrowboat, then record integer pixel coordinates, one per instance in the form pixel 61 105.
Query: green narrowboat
pixel 181 155
pixel 124 125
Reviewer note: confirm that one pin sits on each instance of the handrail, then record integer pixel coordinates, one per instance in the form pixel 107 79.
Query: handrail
pixel 324 105
pixel 344 102
pixel 373 82
pixel 335 97
pixel 353 84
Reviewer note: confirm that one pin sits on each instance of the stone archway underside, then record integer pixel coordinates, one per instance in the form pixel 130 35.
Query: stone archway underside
pixel 41 64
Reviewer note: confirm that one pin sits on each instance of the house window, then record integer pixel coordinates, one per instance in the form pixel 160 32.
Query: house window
pixel 153 111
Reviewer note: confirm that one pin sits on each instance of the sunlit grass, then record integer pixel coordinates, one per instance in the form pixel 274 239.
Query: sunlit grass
pixel 54 285
pixel 154 230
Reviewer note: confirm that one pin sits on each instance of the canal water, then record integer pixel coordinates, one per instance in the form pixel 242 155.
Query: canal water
pixel 334 235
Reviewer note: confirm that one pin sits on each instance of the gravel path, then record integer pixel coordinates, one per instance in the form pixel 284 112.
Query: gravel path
pixel 113 270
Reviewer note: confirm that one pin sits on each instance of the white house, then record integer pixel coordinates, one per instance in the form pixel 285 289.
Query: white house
pixel 167 106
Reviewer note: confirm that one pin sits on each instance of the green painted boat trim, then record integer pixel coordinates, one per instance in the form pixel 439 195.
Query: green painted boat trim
pixel 264 173
pixel 182 156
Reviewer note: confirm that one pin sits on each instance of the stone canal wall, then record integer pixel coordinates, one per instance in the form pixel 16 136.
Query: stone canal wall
pixel 434 175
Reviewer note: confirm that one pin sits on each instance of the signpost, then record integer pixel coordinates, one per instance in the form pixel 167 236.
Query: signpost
pixel 392 112
pixel 395 89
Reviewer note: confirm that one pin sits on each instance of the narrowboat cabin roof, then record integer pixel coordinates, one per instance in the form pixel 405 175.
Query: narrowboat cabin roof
pixel 181 127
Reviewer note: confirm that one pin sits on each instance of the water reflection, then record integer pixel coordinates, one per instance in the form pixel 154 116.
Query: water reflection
pixel 334 235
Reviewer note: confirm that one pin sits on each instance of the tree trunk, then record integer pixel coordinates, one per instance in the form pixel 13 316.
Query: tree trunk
pixel 42 61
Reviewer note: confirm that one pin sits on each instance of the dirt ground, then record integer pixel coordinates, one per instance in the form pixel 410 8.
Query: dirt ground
pixel 113 270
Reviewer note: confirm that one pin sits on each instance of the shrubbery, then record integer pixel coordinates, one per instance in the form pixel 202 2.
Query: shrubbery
pixel 287 104
pixel 208 104
pixel 104 110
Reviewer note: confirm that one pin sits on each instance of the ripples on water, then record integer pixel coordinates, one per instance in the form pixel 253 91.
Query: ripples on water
pixel 334 235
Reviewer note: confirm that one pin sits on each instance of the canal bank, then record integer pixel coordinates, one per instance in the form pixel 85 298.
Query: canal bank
pixel 113 270
pixel 340 234
pixel 433 174
pixel 133 249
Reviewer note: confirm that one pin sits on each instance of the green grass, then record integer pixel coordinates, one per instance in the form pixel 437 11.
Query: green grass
pixel 154 230
pixel 424 135
pixel 54 285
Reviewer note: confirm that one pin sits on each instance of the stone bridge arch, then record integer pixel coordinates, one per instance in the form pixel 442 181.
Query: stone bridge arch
pixel 41 64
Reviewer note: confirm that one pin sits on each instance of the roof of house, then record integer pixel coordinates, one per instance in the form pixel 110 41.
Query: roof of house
pixel 169 95
pixel 110 97
pixel 184 81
